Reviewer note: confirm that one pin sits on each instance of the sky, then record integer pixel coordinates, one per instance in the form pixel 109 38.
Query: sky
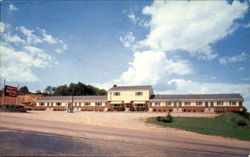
pixel 184 47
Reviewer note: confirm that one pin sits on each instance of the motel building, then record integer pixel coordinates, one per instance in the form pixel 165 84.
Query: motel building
pixel 142 98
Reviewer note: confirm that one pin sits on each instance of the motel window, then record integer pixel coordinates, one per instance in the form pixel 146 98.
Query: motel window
pixel 140 105
pixel 180 104
pixel 157 103
pixel 87 104
pixel 168 103
pixel 79 103
pixel 41 104
pixel 187 103
pixel 138 93
pixel 98 103
pixel 233 103
pixel 75 103
pixel 58 104
pixel 219 103
pixel 198 103
pixel 117 93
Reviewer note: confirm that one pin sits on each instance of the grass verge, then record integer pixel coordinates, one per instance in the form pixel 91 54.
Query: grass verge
pixel 221 125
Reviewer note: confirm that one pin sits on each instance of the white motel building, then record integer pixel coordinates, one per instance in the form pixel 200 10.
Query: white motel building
pixel 142 98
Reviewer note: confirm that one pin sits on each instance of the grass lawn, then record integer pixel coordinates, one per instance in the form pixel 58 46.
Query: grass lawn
pixel 220 125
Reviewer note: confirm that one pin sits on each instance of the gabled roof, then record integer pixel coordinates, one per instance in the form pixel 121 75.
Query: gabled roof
pixel 198 96
pixel 94 97
pixel 130 88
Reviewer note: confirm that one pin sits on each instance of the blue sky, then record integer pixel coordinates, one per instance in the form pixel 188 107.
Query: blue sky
pixel 178 47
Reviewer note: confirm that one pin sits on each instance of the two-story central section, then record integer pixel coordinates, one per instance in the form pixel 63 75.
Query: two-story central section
pixel 134 98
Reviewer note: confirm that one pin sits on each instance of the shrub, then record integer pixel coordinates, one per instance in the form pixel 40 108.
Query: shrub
pixel 184 110
pixel 158 118
pixel 170 110
pixel 194 110
pixel 241 122
pixel 244 113
pixel 219 111
pixel 166 119
pixel 189 110
pixel 237 119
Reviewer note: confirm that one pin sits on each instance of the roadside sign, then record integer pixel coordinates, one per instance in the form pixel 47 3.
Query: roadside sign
pixel 10 91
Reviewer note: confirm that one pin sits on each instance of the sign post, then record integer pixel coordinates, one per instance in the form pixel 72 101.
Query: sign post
pixel 3 92
pixel 17 95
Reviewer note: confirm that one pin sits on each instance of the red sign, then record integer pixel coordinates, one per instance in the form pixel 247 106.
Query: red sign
pixel 10 91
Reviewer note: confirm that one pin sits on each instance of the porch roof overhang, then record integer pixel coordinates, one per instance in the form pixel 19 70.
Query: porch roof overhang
pixel 116 102
pixel 139 102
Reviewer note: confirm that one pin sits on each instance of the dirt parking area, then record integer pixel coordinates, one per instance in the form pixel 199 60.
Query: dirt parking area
pixel 50 133
pixel 131 120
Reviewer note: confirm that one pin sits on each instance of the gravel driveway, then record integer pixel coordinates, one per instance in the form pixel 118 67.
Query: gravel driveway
pixel 131 120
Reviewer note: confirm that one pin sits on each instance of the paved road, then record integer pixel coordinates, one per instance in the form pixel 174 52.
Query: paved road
pixel 24 136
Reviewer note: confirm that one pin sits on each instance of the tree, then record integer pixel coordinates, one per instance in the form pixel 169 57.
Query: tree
pixel 24 90
pixel 48 90
pixel 74 89
pixel 39 92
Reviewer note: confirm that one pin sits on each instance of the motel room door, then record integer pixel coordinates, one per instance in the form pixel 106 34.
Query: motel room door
pixel 175 104
pixel 212 104
pixel 206 104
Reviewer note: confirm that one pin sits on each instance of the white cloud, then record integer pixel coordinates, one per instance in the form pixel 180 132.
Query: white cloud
pixel 246 78
pixel 13 39
pixel 207 77
pixel 40 36
pixel 16 65
pixel 12 7
pixel 133 18
pixel 204 23
pixel 225 60
pixel 241 68
pixel 31 38
pixel 128 39
pixel 136 20
pixel 190 25
pixel 19 60
pixel 47 37
pixel 62 48
pixel 247 25
pixel 150 67
pixel 2 27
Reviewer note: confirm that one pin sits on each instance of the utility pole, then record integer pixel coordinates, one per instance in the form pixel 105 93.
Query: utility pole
pixel 70 105
pixel 3 91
